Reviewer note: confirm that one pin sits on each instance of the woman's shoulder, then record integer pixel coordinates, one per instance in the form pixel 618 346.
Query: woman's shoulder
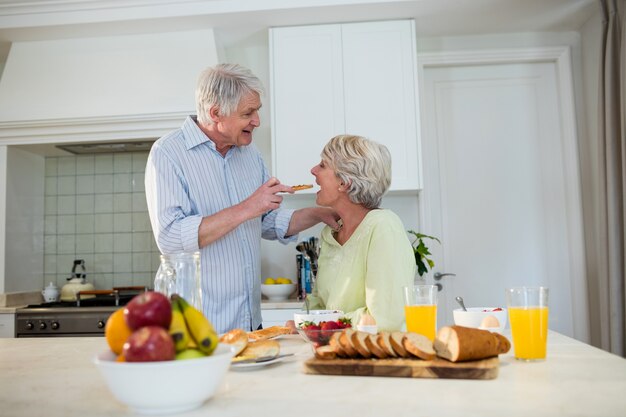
pixel 384 216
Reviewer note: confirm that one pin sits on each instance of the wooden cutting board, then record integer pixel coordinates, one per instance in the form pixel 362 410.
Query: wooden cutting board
pixel 409 368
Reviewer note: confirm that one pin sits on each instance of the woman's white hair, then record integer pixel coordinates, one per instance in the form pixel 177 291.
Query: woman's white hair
pixel 362 165
pixel 224 85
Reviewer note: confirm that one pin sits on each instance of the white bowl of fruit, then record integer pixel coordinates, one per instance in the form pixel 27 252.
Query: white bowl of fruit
pixel 171 360
pixel 487 318
pixel 277 289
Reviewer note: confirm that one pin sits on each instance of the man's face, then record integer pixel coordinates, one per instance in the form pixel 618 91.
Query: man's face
pixel 236 128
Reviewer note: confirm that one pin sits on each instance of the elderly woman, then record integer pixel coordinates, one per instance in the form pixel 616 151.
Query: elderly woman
pixel 365 263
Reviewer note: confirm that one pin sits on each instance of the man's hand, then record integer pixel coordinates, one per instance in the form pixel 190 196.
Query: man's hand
pixel 265 198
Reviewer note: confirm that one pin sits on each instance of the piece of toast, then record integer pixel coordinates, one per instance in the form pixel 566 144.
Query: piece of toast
pixel 237 339
pixel 419 345
pixel 260 349
pixel 301 187
pixel 269 332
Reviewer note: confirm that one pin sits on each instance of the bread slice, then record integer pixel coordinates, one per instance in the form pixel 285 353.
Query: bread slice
pixel 383 341
pixel 419 345
pixel 358 341
pixel 269 332
pixel 260 349
pixel 334 343
pixel 457 343
pixel 396 339
pixel 237 339
pixel 345 340
pixel 325 352
pixel 372 345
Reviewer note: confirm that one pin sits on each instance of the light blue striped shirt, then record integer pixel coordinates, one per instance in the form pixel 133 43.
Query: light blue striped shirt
pixel 188 179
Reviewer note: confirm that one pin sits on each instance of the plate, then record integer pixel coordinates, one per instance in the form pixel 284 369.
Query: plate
pixel 254 365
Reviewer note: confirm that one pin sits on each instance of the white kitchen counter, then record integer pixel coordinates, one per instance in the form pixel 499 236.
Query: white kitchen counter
pixel 56 377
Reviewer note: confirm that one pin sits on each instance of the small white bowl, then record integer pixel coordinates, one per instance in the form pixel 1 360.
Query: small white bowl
pixel 474 316
pixel 317 316
pixel 165 387
pixel 278 292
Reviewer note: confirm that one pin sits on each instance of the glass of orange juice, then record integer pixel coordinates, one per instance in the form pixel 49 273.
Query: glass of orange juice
pixel 528 317
pixel 420 309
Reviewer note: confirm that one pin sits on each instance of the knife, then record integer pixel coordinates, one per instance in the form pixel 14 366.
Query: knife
pixel 262 359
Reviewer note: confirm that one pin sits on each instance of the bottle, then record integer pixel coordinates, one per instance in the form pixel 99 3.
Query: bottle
pixel 180 274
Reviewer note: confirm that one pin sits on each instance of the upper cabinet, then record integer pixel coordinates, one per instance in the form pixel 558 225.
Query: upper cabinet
pixel 356 78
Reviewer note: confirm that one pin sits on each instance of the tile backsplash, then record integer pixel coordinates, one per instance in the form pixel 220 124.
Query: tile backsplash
pixel 95 209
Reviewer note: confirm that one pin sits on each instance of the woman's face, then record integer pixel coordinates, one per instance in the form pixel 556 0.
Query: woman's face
pixel 329 185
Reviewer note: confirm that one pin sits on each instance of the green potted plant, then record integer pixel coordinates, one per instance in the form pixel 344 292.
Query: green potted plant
pixel 421 252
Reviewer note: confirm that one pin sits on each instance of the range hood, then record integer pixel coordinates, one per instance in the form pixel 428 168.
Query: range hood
pixel 107 147
pixel 117 89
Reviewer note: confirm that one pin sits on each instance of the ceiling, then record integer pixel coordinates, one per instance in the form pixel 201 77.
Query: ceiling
pixel 237 19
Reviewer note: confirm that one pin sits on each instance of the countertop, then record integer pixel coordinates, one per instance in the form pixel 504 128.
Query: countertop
pixel 56 377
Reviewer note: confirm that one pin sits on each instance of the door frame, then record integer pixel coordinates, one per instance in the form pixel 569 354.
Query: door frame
pixel 561 58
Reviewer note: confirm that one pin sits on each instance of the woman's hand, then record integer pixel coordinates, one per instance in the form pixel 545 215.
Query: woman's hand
pixel 292 325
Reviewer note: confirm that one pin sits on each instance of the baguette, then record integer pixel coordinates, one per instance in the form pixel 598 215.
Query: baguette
pixel 345 340
pixel 372 345
pixel 397 344
pixel 358 341
pixel 385 344
pixel 419 345
pixel 458 344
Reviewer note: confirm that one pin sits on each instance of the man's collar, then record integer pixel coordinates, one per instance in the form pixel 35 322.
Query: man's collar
pixel 193 135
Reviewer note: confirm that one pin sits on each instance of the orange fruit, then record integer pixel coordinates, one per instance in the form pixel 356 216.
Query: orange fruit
pixel 116 331
pixel 120 358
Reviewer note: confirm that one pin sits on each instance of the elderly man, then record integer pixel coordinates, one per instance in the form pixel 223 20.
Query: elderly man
pixel 208 189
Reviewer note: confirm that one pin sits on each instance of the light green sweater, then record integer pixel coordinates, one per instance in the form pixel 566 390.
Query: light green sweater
pixel 367 273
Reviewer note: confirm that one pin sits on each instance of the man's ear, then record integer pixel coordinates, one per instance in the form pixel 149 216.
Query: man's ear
pixel 214 114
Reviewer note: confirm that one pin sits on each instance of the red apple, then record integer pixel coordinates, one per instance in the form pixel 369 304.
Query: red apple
pixel 149 344
pixel 148 309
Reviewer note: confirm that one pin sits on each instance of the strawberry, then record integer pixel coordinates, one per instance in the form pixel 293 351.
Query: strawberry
pixel 344 323
pixel 328 328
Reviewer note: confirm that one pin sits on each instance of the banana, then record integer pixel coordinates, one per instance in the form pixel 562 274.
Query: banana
pixel 178 328
pixel 200 328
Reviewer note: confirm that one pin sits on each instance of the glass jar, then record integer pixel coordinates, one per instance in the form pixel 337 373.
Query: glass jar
pixel 179 273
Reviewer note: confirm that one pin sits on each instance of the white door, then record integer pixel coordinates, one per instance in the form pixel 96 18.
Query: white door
pixel 497 189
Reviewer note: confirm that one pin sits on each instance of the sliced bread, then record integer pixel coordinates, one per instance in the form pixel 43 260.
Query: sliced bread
pixel 325 352
pixel 383 341
pixel 334 343
pixel 345 340
pixel 419 345
pixel 397 344
pixel 372 345
pixel 358 341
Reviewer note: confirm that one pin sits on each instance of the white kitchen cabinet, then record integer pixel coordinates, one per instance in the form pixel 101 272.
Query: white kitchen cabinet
pixel 356 78
pixel 278 316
